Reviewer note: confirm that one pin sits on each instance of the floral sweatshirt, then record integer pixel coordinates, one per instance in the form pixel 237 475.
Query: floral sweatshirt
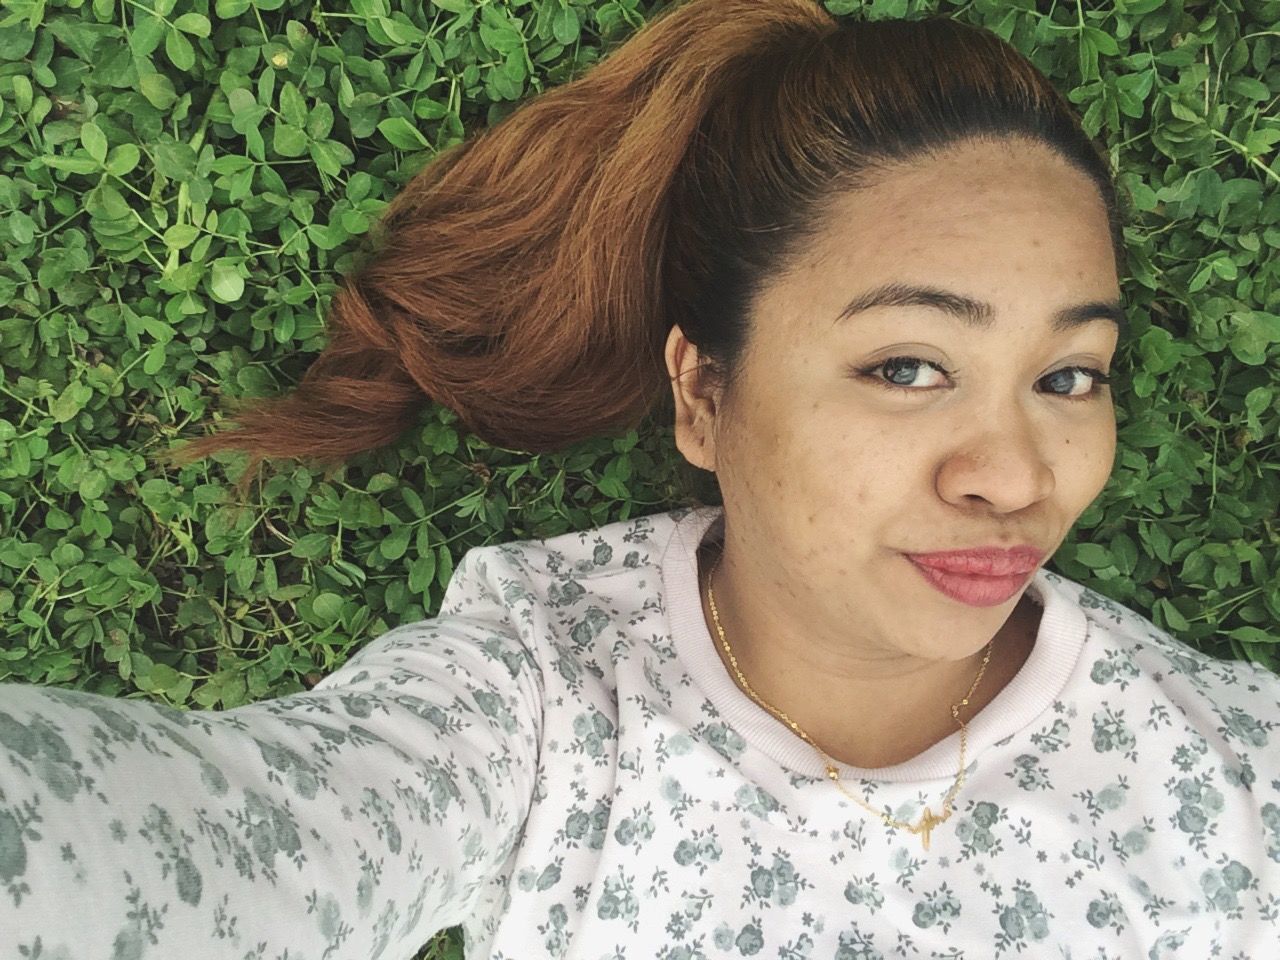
pixel 560 764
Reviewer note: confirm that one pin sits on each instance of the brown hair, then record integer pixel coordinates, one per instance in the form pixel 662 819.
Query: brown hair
pixel 527 278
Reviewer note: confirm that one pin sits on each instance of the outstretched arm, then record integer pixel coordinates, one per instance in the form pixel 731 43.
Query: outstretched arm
pixel 354 820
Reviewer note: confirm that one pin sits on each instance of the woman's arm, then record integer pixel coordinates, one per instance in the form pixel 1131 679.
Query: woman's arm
pixel 354 820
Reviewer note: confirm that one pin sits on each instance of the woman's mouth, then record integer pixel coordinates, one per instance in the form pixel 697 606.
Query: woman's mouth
pixel 974 589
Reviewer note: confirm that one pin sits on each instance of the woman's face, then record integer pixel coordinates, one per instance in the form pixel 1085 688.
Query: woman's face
pixel 829 475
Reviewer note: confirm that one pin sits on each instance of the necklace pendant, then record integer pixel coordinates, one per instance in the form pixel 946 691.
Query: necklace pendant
pixel 926 823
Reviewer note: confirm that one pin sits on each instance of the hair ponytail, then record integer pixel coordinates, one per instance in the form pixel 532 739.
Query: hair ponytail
pixel 518 278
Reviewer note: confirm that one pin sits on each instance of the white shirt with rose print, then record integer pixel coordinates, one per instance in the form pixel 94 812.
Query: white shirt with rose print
pixel 560 764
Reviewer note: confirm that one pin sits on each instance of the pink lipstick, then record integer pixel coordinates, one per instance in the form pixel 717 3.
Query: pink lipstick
pixel 981 577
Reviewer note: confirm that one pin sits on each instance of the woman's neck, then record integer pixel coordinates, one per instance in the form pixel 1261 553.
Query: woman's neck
pixel 859 723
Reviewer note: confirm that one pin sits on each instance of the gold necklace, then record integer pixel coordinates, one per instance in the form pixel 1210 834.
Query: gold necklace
pixel 928 820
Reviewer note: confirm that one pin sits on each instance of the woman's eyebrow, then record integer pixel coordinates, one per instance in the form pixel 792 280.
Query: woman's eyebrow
pixel 974 313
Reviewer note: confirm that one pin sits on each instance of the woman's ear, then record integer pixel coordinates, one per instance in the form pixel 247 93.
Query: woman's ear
pixel 695 404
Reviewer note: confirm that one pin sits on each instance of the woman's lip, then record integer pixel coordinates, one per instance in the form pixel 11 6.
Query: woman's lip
pixel 975 590
pixel 983 561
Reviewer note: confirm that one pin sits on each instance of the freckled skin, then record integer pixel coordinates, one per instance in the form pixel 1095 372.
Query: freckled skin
pixel 827 478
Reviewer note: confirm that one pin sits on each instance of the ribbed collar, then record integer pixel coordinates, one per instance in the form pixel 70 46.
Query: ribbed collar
pixel 1059 641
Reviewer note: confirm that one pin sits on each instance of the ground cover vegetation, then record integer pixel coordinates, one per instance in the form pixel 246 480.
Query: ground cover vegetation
pixel 183 181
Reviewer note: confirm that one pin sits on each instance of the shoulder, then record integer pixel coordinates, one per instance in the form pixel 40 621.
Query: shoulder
pixel 510 609
pixel 1239 699
pixel 1127 627
pixel 561 570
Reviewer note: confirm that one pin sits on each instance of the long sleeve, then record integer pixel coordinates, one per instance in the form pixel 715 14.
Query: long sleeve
pixel 354 820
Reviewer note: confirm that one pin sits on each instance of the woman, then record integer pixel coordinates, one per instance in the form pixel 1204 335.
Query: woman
pixel 848 714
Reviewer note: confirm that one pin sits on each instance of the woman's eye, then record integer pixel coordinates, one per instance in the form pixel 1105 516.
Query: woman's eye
pixel 1070 377
pixel 902 373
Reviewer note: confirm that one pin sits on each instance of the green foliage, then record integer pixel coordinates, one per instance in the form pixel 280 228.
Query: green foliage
pixel 180 187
